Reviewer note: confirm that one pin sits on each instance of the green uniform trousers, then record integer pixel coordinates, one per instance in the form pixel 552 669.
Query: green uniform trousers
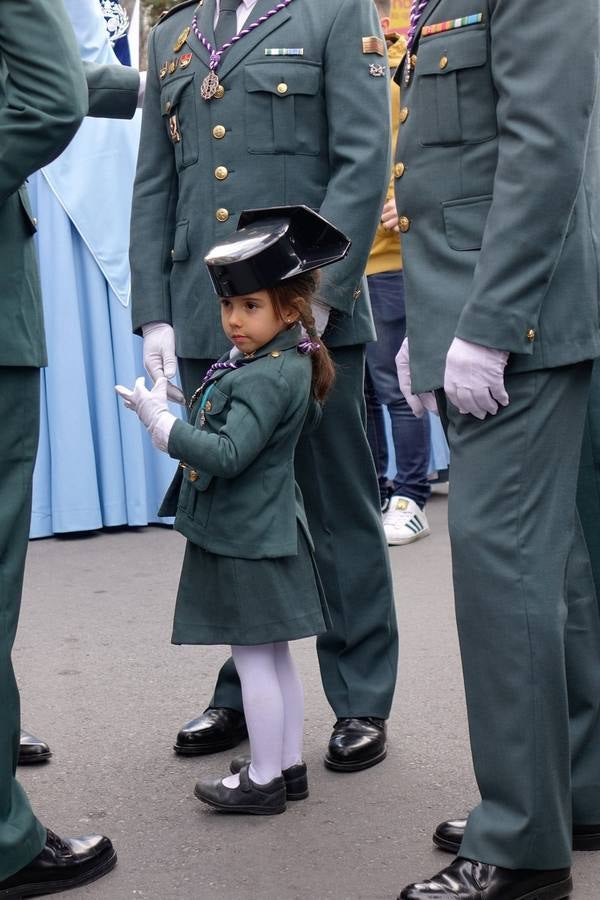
pixel 21 835
pixel 358 656
pixel 527 617
pixel 588 489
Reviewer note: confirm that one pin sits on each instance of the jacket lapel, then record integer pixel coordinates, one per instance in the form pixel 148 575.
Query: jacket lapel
pixel 241 49
pixel 205 16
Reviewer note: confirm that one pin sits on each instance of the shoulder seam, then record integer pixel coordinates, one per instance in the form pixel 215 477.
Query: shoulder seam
pixel 174 9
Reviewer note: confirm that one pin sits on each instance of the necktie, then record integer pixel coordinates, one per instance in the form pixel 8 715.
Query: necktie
pixel 227 23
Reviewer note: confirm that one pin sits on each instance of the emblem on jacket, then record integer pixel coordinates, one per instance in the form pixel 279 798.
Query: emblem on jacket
pixel 116 18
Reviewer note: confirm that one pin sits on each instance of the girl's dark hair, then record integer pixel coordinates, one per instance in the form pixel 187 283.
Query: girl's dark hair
pixel 296 294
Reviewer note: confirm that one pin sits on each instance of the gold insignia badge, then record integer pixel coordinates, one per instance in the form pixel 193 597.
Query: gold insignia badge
pixel 185 60
pixel 181 39
pixel 163 70
pixel 373 44
pixel 173 66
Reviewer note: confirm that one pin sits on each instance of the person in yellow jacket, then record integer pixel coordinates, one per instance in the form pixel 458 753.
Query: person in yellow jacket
pixel 404 514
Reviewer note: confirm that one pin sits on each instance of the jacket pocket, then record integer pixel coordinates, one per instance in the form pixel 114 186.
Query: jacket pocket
pixel 464 221
pixel 457 103
pixel 181 250
pixel 178 109
pixel 283 107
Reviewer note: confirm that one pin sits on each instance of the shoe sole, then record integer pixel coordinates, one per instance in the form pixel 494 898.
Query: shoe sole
pixel 559 891
pixel 249 810
pixel 34 760
pixel 410 540
pixel 206 749
pixel 581 842
pixel 54 887
pixel 354 766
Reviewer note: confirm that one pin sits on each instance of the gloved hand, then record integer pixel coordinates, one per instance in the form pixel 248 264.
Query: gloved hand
pixel 160 359
pixel 417 402
pixel 321 312
pixel 474 378
pixel 151 409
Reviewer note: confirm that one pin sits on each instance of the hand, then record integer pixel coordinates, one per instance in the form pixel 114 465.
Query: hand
pixel 151 409
pixel 160 360
pixel 417 402
pixel 389 216
pixel 474 378
pixel 321 314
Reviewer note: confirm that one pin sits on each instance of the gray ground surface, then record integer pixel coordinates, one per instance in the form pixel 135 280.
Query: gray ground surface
pixel 101 682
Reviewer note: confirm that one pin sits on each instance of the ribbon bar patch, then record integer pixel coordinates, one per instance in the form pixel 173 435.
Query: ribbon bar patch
pixel 373 44
pixel 284 51
pixel 475 19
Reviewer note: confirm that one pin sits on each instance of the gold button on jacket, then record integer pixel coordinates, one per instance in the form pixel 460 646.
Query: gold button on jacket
pixel 404 114
pixel 399 169
pixel 218 132
pixel 531 335
pixel 403 224
pixel 222 215
pixel 221 172
pixel 443 62
pixel 220 92
pixel 282 88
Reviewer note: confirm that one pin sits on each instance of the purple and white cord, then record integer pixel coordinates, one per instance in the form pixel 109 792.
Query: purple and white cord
pixel 308 346
pixel 215 55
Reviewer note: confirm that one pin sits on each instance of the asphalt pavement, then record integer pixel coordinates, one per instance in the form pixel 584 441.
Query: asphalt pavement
pixel 102 684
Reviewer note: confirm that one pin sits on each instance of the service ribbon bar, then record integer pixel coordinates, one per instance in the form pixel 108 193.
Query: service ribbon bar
pixel 284 51
pixel 475 19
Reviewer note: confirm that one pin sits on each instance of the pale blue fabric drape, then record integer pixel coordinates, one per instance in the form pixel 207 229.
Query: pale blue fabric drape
pixel 96 465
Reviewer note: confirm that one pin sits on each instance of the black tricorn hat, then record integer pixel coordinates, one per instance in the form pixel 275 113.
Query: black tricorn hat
pixel 272 245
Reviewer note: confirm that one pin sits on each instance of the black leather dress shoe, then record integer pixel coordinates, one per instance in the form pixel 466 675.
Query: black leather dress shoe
pixel 218 728
pixel 465 879
pixel 32 750
pixel 295 777
pixel 249 797
pixel 63 863
pixel 356 743
pixel 448 836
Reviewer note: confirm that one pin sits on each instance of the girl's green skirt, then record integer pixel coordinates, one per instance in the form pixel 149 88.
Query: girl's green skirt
pixel 228 600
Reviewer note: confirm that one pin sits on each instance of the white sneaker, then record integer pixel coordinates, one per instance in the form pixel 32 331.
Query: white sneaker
pixel 404 522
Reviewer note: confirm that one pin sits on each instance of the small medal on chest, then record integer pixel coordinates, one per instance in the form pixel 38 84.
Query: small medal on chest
pixel 209 86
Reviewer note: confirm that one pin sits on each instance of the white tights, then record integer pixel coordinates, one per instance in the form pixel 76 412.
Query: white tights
pixel 273 707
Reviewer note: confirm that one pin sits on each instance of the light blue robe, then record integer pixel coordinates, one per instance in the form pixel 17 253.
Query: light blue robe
pixel 96 465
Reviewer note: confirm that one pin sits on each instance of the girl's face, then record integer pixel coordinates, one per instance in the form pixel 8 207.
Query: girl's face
pixel 251 321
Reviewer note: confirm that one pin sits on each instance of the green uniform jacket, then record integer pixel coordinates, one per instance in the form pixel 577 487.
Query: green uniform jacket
pixel 309 128
pixel 238 492
pixel 42 103
pixel 500 196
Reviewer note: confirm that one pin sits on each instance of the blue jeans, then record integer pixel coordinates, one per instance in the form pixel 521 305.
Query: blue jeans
pixel 410 435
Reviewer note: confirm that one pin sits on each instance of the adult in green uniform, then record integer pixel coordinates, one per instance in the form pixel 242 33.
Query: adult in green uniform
pixel 499 206
pixel 43 98
pixel 292 112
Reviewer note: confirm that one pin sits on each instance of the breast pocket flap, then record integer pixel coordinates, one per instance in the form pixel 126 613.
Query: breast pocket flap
pixel 283 80
pixel 464 221
pixel 170 94
pixel 440 56
pixel 216 403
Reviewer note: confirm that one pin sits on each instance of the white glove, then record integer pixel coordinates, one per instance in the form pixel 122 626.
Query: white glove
pixel 417 402
pixel 474 378
pixel 151 409
pixel 321 314
pixel 160 360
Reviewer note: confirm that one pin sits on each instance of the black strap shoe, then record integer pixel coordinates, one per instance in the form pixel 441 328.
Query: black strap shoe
pixel 466 879
pixel 356 743
pixel 218 728
pixel 295 777
pixel 63 863
pixel 249 797
pixel 32 750
pixel 448 836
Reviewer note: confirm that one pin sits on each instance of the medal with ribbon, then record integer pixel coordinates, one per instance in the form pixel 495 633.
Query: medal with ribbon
pixel 211 82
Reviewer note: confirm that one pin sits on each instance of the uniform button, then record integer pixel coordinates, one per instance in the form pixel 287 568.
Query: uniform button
pixel 168 106
pixel 208 406
pixel 275 354
pixel 413 60
pixel 218 132
pixel 193 475
pixel 34 220
pixel 531 335
pixel 172 254
pixel 282 88
pixel 404 114
pixel 221 172
pixel 222 215
pixel 443 62
pixel 403 224
pixel 220 92
pixel 399 169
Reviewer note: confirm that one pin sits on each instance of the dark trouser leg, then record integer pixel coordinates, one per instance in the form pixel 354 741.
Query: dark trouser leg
pixel 334 467
pixel 21 835
pixel 410 434
pixel 588 489
pixel 228 691
pixel 521 599
pixel 376 435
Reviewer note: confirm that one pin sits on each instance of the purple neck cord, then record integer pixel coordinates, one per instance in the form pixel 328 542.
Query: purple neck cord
pixel 215 55
pixel 416 11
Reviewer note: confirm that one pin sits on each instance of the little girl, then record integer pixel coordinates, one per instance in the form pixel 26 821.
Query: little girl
pixel 248 576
